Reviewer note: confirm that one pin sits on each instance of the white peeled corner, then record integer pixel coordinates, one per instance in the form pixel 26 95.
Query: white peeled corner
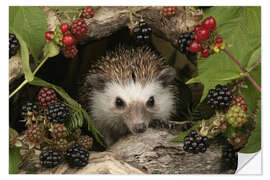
pixel 249 163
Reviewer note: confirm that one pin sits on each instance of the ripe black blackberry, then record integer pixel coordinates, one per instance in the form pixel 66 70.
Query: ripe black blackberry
pixel 13 45
pixel 50 158
pixel 194 143
pixel 58 113
pixel 219 98
pixel 184 41
pixel 142 33
pixel 29 107
pixel 229 157
pixel 77 156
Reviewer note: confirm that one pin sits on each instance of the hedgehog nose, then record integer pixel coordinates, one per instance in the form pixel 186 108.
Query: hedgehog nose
pixel 139 128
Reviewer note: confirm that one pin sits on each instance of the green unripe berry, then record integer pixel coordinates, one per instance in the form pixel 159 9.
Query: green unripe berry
pixel 236 116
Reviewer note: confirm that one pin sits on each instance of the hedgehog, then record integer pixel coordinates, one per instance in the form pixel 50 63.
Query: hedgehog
pixel 127 89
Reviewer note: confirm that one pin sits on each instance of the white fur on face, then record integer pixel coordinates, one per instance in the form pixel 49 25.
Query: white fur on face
pixel 104 101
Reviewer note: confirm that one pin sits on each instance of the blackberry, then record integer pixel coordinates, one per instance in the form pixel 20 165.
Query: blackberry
pixel 70 51
pixel 50 158
pixel 169 11
pixel 13 45
pixel 229 157
pixel 57 113
pixel 61 144
pixel 142 33
pixel 184 42
pixel 79 27
pixel 239 101
pixel 29 108
pixel 46 96
pixel 236 116
pixel 88 12
pixel 219 98
pixel 59 130
pixel 194 143
pixel 85 141
pixel 77 156
pixel 35 134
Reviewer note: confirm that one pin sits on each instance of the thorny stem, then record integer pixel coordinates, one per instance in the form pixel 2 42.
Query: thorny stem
pixel 242 69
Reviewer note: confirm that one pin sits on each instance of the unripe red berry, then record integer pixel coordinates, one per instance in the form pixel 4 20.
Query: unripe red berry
pixel 64 27
pixel 168 11
pixel 202 34
pixel 49 35
pixel 209 23
pixel 195 46
pixel 68 39
pixel 205 53
pixel 197 27
pixel 219 40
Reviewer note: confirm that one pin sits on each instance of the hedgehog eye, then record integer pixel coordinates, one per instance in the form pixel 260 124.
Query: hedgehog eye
pixel 150 102
pixel 119 102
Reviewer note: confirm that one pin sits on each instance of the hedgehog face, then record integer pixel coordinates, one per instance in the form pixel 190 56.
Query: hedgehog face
pixel 134 104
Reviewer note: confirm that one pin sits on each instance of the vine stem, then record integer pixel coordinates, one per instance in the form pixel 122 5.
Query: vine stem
pixel 242 69
pixel 25 81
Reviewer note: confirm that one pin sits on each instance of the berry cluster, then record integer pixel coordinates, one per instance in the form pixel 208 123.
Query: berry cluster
pixel 46 96
pixel 236 116
pixel 142 33
pixel 50 158
pixel 184 42
pixel 204 36
pixel 194 143
pixel 29 108
pixel 67 35
pixel 219 98
pixel 169 11
pixel 88 12
pixel 229 157
pixel 239 101
pixel 35 133
pixel 58 113
pixel 59 130
pixel 85 141
pixel 77 156
pixel 13 45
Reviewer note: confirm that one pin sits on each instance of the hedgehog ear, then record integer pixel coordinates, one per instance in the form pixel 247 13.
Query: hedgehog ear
pixel 97 81
pixel 166 76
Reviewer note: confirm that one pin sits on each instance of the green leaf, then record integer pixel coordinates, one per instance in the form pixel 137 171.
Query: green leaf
pixel 30 23
pixel 25 58
pixel 92 128
pixel 240 27
pixel 12 14
pixel 14 160
pixel 51 49
pixel 254 141
pixel 251 94
pixel 75 106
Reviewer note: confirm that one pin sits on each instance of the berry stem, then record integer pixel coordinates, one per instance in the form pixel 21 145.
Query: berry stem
pixel 18 88
pixel 25 81
pixel 243 69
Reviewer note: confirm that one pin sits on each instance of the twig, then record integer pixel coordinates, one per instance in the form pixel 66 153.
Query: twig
pixel 242 69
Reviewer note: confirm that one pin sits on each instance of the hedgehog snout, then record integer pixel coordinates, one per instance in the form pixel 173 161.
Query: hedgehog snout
pixel 139 128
